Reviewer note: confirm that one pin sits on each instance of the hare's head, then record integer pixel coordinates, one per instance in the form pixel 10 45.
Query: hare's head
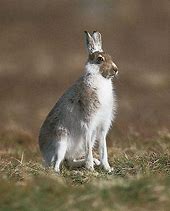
pixel 98 60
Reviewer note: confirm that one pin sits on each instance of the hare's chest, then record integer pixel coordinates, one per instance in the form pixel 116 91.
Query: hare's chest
pixel 105 93
pixel 106 101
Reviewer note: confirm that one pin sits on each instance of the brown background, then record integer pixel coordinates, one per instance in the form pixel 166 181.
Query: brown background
pixel 42 53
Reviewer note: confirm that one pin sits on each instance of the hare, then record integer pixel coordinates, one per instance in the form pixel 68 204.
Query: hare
pixel 83 115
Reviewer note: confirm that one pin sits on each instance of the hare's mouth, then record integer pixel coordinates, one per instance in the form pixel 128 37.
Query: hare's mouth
pixel 112 74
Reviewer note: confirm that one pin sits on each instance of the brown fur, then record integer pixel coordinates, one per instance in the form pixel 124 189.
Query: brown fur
pixel 88 101
pixel 83 97
pixel 106 66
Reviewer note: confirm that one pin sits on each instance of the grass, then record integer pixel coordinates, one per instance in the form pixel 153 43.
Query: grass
pixel 140 181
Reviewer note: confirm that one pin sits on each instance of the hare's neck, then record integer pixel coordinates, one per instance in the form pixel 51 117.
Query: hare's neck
pixel 94 78
pixel 102 86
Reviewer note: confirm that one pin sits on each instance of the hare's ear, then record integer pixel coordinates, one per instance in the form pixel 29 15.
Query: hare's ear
pixel 97 41
pixel 89 42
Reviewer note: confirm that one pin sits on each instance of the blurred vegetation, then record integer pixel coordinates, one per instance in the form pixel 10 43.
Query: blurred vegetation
pixel 41 54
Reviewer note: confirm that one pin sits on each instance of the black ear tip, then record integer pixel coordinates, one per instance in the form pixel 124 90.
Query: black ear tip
pixel 94 32
pixel 85 32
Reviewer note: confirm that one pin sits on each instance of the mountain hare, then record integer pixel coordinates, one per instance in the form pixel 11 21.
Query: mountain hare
pixel 83 115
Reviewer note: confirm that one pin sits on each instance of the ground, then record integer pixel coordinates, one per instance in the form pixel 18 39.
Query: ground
pixel 140 180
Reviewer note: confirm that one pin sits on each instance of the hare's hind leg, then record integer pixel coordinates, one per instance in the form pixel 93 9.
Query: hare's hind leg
pixel 61 147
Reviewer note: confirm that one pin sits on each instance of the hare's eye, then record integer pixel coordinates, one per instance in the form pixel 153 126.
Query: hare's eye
pixel 100 59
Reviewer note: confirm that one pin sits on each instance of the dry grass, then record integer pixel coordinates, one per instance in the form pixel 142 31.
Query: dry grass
pixel 140 181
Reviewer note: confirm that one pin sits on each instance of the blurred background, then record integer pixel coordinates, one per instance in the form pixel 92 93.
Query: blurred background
pixel 42 53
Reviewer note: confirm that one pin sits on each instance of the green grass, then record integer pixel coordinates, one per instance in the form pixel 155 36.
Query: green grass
pixel 140 181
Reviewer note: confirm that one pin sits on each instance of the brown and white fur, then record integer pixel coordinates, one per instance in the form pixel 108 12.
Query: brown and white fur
pixel 83 115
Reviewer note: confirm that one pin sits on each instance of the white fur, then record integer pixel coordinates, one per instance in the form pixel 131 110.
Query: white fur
pixel 94 42
pixel 97 48
pixel 62 147
pixel 105 95
pixel 97 42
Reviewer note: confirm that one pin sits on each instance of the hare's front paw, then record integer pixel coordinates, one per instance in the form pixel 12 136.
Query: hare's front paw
pixel 57 170
pixel 89 165
pixel 107 168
